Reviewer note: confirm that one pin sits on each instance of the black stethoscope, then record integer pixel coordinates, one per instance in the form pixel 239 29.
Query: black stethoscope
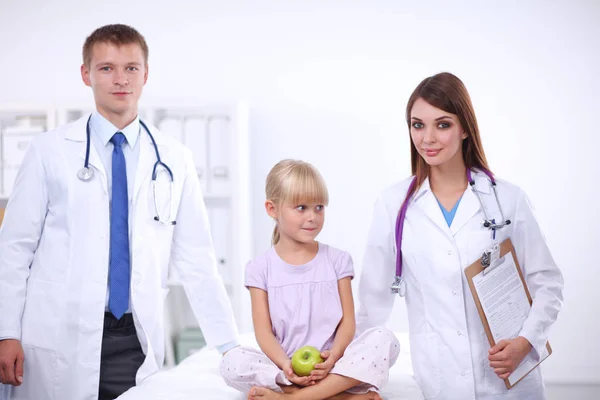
pixel 86 173
pixel 399 285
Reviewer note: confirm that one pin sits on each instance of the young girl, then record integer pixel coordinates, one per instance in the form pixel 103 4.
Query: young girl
pixel 301 296
pixel 429 227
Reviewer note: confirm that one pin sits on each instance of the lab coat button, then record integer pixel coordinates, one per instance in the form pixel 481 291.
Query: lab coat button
pixel 463 373
pixel 449 252
pixel 458 333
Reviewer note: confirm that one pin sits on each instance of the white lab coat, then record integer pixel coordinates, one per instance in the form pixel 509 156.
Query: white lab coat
pixel 449 348
pixel 54 257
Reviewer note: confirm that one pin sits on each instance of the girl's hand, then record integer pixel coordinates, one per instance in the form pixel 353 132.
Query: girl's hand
pixel 292 377
pixel 322 370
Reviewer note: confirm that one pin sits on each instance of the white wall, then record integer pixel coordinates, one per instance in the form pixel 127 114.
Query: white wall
pixel 328 83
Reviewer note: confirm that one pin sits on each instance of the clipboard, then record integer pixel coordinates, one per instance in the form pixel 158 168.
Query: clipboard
pixel 487 261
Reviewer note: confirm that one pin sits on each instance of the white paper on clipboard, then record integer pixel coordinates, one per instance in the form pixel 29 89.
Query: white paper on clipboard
pixel 506 307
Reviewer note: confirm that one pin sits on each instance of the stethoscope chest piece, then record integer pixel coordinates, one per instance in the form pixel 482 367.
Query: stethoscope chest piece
pixel 399 286
pixel 85 174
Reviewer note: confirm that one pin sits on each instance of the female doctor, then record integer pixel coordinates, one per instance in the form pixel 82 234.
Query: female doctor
pixel 438 214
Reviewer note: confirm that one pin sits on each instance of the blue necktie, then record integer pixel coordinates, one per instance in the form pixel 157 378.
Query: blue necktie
pixel 119 273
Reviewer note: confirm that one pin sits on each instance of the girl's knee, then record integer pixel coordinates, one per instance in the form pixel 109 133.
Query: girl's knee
pixel 229 362
pixel 382 335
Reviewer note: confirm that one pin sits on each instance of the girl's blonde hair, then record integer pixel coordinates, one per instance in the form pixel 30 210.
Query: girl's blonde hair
pixel 295 182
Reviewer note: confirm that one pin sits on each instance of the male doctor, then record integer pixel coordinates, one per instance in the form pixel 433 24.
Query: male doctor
pixel 83 262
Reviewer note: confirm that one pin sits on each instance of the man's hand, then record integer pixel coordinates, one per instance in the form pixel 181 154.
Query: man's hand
pixel 11 362
pixel 506 355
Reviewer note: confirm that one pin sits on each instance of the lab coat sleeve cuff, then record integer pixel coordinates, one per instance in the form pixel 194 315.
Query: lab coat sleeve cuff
pixel 224 348
pixel 538 342
pixel 9 335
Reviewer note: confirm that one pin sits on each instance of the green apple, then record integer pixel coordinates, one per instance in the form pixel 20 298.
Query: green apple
pixel 304 360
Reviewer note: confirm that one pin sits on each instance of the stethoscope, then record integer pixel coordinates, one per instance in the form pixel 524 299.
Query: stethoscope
pixel 86 173
pixel 399 285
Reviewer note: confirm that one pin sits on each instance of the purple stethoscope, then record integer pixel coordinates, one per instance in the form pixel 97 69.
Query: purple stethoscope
pixel 399 286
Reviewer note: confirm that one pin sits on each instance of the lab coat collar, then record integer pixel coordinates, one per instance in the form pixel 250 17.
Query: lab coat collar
pixel 468 207
pixel 77 132
pixel 482 184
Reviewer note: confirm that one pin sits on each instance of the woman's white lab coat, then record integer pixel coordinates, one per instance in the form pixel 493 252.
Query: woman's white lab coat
pixel 449 348
pixel 54 257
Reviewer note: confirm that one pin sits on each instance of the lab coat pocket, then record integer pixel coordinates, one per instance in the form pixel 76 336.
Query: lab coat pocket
pixel 40 322
pixel 39 374
pixel 495 385
pixel 425 356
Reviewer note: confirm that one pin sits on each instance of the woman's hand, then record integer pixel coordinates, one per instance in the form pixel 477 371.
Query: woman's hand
pixel 506 355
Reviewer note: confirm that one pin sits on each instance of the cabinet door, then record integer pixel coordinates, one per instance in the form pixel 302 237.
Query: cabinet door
pixel 195 138
pixel 14 147
pixel 219 217
pixel 219 139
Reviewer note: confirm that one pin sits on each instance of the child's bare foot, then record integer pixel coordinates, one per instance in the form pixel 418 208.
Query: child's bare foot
pixel 370 396
pixel 289 389
pixel 260 393
pixel 352 396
